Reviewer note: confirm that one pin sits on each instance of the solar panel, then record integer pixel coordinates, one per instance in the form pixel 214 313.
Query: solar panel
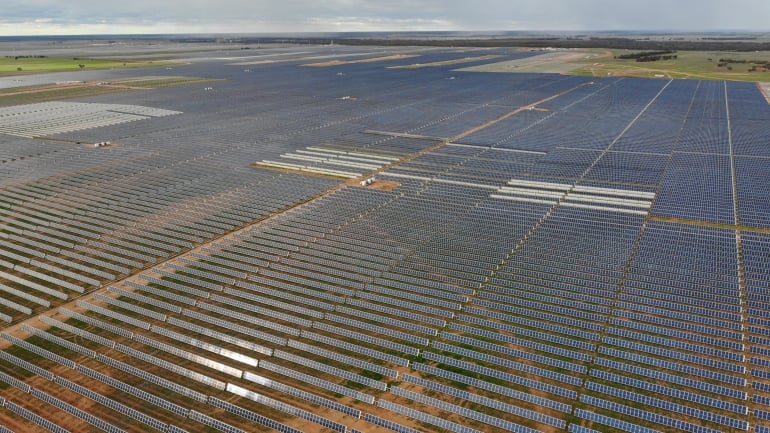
pixel 119 407
pixel 315 399
pixel 424 417
pixel 366 398
pixel 345 374
pixel 37 419
pixel 468 396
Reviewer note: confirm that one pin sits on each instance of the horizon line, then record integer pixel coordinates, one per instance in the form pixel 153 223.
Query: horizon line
pixel 396 32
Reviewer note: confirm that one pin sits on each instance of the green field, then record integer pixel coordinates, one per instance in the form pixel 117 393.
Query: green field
pixel 688 64
pixel 21 65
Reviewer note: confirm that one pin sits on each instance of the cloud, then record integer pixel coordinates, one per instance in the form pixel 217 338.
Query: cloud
pixel 242 16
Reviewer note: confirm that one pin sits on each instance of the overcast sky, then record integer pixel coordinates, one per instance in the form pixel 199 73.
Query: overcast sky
pixel 48 17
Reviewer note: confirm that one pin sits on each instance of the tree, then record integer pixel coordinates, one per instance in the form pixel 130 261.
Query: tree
pixel 82 66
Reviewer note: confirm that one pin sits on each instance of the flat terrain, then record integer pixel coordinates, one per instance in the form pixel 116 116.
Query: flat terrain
pixel 367 60
pixel 16 65
pixel 689 64
pixel 700 65
pixel 556 62
pixel 53 92
pixel 447 62
pixel 539 252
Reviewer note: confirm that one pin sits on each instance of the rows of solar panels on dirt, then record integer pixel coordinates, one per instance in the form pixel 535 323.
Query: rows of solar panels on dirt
pixel 65 235
pixel 48 118
pixel 308 322
pixel 300 273
pixel 331 162
pixel 573 267
pixel 275 302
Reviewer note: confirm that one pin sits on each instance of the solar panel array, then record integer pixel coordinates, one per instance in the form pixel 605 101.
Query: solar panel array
pixel 49 118
pixel 117 221
pixel 332 162
pixel 596 264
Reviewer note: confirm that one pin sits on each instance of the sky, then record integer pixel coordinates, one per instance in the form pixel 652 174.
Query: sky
pixel 58 17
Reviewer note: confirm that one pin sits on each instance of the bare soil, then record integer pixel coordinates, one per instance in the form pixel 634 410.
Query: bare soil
pixel 446 62
pixel 558 62
pixel 382 185
pixel 765 89
pixel 367 60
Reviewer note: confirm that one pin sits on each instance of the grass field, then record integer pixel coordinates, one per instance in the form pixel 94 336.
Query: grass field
pixel 701 65
pixel 16 66
pixel 688 64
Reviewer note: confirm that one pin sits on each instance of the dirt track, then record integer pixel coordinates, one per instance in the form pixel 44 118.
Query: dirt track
pixel 367 60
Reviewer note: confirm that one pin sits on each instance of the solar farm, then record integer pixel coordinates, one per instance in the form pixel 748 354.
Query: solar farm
pixel 551 253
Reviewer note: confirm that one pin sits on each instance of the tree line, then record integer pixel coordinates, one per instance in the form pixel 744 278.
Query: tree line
pixel 756 62
pixel 615 43
pixel 756 65
pixel 649 56
pixel 540 43
pixel 25 57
